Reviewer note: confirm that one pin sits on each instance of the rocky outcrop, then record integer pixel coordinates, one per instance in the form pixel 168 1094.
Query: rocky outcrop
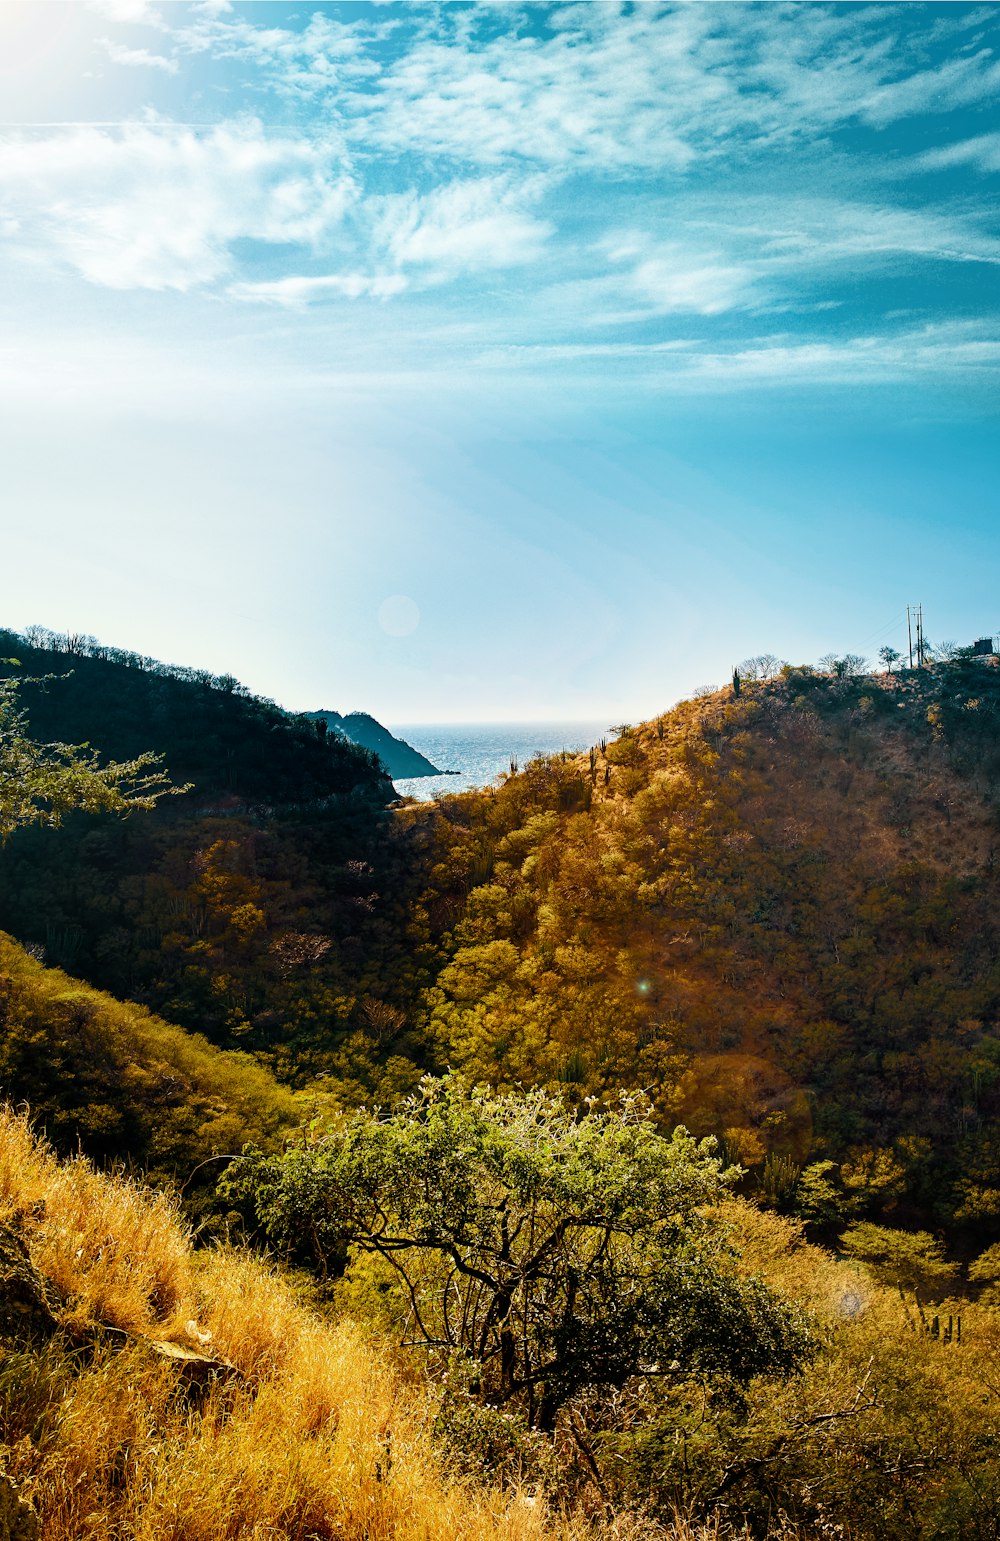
pixel 194 1368
pixel 17 1520
pixel 29 1305
pixel 29 1315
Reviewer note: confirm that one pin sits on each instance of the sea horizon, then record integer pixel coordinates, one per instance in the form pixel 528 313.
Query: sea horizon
pixel 476 753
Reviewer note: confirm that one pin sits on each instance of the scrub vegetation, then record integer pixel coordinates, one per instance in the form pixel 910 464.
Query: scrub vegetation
pixel 612 1152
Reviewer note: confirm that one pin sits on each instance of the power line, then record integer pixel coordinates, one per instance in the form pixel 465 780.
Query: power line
pixel 876 636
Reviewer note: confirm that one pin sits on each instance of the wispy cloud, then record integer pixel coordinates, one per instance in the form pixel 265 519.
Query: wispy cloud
pixel 463 226
pixel 730 254
pixel 298 291
pixel 865 360
pixel 870 358
pixel 983 152
pixel 322 58
pixel 661 85
pixel 141 57
pixel 155 206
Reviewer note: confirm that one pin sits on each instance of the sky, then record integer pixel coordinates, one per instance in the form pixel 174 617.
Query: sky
pixel 463 362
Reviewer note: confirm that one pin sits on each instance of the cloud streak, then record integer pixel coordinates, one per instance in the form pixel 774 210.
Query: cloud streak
pixel 983 153
pixel 866 359
pixel 463 226
pixel 297 291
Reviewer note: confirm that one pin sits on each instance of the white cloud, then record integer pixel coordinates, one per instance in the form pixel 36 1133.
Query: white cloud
pixel 462 226
pixel 799 233
pixel 763 254
pixel 982 152
pixel 759 255
pixel 155 206
pixel 119 54
pixel 957 82
pixel 323 57
pixel 673 281
pixel 595 93
pixel 297 291
pixel 667 278
pixel 136 12
pixel 653 87
pixel 950 349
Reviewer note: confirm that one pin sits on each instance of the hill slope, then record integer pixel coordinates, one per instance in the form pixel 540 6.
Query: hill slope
pixel 235 747
pixel 264 908
pixel 781 912
pixel 110 1078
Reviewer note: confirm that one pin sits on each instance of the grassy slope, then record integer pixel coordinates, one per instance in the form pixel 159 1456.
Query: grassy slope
pixel 321 1436
pixel 325 1435
pixel 122 1083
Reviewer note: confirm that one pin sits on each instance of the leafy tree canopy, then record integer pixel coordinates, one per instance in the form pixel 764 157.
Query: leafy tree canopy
pixel 551 1253
pixel 39 783
pixel 911 1260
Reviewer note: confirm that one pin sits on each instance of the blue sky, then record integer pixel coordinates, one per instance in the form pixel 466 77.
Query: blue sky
pixel 498 361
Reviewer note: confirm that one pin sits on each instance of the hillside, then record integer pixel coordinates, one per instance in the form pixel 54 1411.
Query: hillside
pixel 779 912
pixel 400 759
pixel 264 908
pixel 155 1392
pixel 110 1078
pixel 237 749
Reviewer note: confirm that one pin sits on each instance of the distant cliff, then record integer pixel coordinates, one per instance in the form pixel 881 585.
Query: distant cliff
pixel 400 759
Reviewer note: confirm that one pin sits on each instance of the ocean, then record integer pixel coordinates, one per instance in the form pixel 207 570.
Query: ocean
pixel 481 751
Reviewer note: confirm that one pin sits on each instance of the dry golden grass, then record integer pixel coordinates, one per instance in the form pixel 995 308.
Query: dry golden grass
pixel 116 1252
pixel 320 1435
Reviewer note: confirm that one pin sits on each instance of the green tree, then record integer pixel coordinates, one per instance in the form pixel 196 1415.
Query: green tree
pixel 913 1261
pixel 550 1253
pixel 39 783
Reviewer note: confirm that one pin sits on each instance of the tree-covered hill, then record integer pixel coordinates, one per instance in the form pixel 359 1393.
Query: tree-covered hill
pixel 234 747
pixel 778 910
pixel 264 907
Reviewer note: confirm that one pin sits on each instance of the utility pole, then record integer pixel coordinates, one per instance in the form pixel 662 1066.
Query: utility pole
pixel 909 635
pixel 921 649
